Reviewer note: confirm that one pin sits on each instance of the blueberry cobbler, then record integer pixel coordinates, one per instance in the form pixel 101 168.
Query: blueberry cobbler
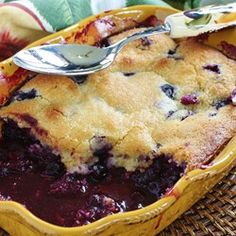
pixel 119 139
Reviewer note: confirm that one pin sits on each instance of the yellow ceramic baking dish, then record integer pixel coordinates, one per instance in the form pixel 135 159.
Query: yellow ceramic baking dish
pixel 150 220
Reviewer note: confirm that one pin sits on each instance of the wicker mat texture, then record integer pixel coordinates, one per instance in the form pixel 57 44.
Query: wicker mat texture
pixel 215 214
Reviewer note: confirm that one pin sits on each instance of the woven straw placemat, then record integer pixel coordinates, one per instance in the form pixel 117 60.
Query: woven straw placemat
pixel 214 214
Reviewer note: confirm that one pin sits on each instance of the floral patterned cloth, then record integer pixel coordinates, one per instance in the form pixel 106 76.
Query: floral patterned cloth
pixel 24 21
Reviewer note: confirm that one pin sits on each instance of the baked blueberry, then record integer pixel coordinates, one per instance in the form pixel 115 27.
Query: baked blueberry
pixel 169 90
pixel 99 171
pixel 158 145
pixel 5 172
pixel 22 95
pixel 100 146
pixel 221 103
pixel 233 97
pixel 55 169
pixel 129 74
pixel 172 53
pixel 103 43
pixel 161 175
pixel 181 114
pixel 154 188
pixel 79 79
pixel 213 68
pixel 146 41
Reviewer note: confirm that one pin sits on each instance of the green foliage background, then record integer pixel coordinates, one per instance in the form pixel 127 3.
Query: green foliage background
pixel 63 13
pixel 180 4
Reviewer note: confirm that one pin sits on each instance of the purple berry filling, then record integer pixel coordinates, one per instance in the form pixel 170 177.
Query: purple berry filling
pixel 189 99
pixel 4 233
pixel 42 184
pixel 100 206
pixel 212 68
pixel 69 184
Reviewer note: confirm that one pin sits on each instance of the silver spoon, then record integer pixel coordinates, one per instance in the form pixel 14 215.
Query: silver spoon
pixel 75 59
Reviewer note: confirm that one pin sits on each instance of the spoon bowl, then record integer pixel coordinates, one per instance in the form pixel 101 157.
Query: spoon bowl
pixel 67 59
pixel 74 59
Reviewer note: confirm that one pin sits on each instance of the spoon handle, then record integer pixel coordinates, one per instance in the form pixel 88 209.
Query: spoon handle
pixel 148 32
pixel 197 21
pixel 189 23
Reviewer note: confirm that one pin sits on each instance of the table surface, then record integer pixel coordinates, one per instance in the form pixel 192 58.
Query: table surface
pixel 214 214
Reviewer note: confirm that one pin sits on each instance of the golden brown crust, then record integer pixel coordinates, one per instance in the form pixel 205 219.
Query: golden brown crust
pixel 131 111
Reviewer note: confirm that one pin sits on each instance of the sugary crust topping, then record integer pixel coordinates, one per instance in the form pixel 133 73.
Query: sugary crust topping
pixel 159 96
